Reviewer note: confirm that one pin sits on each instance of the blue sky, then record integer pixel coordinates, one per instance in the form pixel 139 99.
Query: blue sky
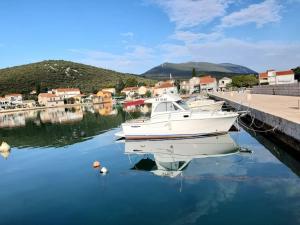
pixel 135 35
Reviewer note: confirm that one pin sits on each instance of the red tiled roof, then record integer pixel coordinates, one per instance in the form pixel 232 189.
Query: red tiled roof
pixel 165 85
pixel 263 75
pixel 67 89
pixel 207 80
pixel 130 89
pixel 47 95
pixel 287 72
pixel 13 94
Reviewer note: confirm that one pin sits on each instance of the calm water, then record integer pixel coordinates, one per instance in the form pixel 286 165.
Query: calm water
pixel 48 178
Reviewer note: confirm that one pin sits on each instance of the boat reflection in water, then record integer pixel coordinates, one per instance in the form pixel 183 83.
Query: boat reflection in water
pixel 171 157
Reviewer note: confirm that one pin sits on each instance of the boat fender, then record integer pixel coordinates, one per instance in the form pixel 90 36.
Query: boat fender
pixel 103 170
pixel 4 147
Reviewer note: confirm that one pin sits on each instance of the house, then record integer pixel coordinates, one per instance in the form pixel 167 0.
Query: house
pixel 14 99
pixel 79 98
pixel 4 103
pixel 29 103
pixel 194 85
pixel 50 100
pixel 208 83
pixel 111 90
pixel 273 77
pixel 66 93
pixel 105 96
pixel 164 82
pixel 224 82
pixel 165 88
pixel 185 86
pixel 130 92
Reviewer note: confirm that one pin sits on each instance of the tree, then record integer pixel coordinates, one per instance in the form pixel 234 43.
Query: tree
pixel 244 81
pixel 131 82
pixel 193 72
pixel 38 88
pixel 148 94
pixel 297 73
pixel 120 86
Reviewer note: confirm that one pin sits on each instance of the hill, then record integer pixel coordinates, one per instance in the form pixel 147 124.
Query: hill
pixel 184 70
pixel 59 73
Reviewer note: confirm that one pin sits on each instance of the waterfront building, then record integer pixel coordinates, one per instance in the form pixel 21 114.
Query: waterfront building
pixel 208 83
pixel 111 90
pixel 14 99
pixel 66 93
pixel 185 86
pixel 166 87
pixel 4 103
pixel 130 92
pixel 29 103
pixel 224 82
pixel 49 100
pixel 105 96
pixel 273 77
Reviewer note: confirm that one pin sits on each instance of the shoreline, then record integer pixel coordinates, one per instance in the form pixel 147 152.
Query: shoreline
pixel 48 107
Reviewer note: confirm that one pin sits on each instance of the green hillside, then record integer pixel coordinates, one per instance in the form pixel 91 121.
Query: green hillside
pixel 184 70
pixel 58 73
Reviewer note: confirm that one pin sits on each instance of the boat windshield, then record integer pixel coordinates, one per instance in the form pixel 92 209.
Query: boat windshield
pixel 183 104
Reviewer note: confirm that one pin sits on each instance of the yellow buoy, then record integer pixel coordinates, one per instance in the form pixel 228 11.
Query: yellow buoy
pixel 96 164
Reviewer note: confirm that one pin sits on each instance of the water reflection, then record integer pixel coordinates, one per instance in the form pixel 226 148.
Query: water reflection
pixel 171 157
pixel 58 126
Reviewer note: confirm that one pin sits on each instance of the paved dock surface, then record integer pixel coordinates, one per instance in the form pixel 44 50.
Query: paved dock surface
pixel 279 112
pixel 285 107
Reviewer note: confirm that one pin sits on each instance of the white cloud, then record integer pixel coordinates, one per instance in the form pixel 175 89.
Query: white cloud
pixel 133 60
pixel 127 34
pixel 191 37
pixel 190 13
pixel 260 14
pixel 256 55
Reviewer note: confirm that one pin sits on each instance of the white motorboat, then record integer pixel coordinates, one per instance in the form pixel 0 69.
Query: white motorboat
pixel 171 157
pixel 172 118
pixel 204 104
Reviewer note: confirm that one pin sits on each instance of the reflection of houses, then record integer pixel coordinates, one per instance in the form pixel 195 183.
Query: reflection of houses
pixel 224 82
pixel 61 115
pixel 107 109
pixel 272 77
pixel 49 100
pixel 14 99
pixel 105 96
pixel 165 87
pixel 10 120
pixel 208 83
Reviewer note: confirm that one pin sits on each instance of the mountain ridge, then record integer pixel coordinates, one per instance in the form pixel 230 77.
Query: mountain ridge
pixel 184 70
pixel 60 73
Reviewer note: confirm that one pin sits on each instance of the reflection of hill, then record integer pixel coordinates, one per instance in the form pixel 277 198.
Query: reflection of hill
pixel 58 135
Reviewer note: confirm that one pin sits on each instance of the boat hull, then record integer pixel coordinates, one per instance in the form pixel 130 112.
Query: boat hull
pixel 179 127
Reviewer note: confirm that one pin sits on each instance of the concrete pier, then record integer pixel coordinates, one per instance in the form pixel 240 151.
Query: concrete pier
pixel 274 111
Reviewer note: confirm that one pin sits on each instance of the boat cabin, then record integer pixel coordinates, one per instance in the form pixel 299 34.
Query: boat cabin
pixel 167 103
